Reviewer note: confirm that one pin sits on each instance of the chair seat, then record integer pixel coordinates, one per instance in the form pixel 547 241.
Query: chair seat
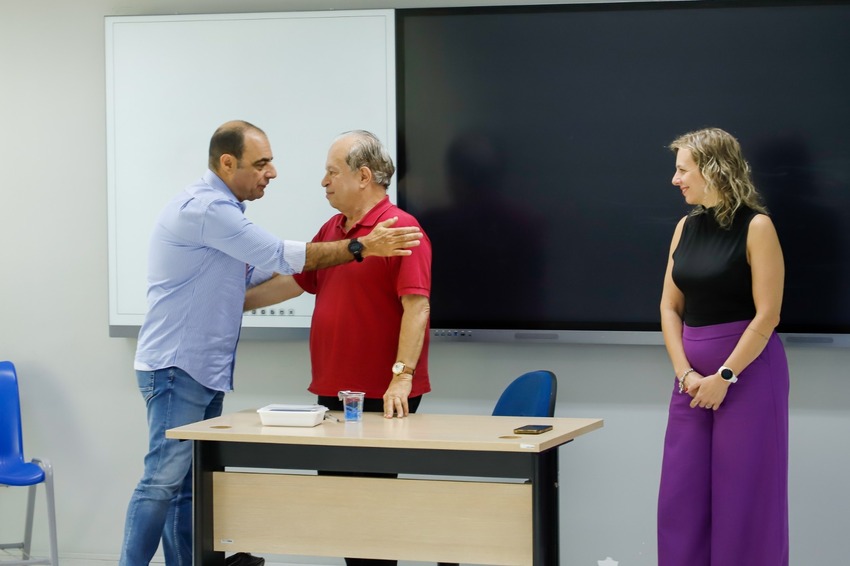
pixel 21 473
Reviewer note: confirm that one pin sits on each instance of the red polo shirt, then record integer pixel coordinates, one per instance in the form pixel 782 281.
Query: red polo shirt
pixel 357 318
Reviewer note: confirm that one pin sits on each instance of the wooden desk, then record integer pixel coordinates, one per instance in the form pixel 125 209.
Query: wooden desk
pixel 492 519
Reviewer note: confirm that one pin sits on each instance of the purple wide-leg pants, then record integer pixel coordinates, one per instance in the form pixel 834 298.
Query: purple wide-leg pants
pixel 723 499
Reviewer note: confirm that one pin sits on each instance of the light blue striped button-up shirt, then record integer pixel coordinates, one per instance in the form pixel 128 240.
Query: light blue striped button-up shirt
pixel 201 251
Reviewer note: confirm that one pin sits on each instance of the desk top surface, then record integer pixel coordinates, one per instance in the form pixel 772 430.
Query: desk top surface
pixel 419 431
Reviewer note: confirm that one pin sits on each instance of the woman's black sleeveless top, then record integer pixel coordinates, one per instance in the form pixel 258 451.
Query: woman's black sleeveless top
pixel 710 268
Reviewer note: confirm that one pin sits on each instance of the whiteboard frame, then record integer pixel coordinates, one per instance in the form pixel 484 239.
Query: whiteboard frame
pixel 321 53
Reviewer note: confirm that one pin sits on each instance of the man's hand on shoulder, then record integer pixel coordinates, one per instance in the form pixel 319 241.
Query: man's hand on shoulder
pixel 385 241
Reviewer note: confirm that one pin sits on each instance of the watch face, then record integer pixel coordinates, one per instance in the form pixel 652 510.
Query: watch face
pixel 355 248
pixel 398 367
pixel 727 374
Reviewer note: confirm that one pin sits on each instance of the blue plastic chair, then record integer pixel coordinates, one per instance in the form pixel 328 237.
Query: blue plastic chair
pixel 14 471
pixel 532 394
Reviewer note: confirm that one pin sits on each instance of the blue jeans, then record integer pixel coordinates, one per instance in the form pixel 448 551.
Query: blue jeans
pixel 161 505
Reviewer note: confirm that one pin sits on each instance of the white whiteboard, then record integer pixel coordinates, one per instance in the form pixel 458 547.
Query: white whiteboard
pixel 303 77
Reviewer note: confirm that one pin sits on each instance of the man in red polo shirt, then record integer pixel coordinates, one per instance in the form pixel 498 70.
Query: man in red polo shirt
pixel 370 323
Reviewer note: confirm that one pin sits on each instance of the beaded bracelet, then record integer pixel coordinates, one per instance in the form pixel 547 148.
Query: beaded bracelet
pixel 682 379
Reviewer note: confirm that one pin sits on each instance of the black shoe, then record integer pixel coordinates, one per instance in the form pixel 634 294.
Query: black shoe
pixel 244 559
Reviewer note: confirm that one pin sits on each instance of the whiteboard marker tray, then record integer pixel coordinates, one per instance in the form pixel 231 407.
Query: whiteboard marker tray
pixel 292 415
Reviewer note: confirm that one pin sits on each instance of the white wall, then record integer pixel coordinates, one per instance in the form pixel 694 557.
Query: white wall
pixel 81 408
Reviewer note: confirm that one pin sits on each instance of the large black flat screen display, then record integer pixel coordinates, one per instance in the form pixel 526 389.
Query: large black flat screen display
pixel 533 148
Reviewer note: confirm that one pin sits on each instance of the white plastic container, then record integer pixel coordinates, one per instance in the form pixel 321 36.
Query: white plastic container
pixel 292 415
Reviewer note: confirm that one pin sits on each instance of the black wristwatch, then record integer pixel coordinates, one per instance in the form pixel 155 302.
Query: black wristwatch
pixel 356 249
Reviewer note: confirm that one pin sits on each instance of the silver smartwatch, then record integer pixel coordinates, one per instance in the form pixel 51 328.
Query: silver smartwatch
pixel 727 374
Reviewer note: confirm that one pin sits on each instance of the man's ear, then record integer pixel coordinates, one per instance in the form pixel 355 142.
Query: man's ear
pixel 365 176
pixel 226 163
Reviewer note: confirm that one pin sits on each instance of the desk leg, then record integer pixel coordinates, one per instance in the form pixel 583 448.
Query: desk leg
pixel 545 528
pixel 205 462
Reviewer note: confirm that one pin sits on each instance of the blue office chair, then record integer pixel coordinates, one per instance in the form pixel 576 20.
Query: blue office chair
pixel 532 394
pixel 15 472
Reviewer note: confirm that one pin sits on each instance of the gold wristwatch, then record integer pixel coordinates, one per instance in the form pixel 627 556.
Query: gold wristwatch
pixel 400 368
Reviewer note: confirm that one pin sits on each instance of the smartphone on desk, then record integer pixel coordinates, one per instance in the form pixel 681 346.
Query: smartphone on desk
pixel 533 429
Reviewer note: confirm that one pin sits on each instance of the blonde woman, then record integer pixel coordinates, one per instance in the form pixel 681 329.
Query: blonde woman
pixel 724 480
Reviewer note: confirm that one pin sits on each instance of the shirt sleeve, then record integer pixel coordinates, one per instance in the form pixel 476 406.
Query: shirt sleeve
pixel 226 229
pixel 414 272
pixel 309 280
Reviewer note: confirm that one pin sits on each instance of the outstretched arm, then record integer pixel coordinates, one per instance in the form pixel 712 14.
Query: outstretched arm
pixel 382 241
pixel 276 290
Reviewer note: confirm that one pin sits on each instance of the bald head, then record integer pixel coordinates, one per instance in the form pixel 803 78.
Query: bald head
pixel 229 139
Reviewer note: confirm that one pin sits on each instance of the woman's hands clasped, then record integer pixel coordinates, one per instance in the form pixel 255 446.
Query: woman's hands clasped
pixel 707 392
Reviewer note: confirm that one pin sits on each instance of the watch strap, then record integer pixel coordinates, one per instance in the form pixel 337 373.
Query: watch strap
pixel 405 369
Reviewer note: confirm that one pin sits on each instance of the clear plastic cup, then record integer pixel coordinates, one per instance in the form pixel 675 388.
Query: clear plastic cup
pixel 352 404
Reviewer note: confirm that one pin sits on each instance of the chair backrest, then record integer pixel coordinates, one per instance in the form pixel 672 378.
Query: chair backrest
pixel 532 394
pixel 11 437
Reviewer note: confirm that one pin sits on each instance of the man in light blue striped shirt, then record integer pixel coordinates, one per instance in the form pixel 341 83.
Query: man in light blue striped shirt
pixel 202 253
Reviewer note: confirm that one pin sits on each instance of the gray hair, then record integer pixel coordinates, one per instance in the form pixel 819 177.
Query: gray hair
pixel 368 151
